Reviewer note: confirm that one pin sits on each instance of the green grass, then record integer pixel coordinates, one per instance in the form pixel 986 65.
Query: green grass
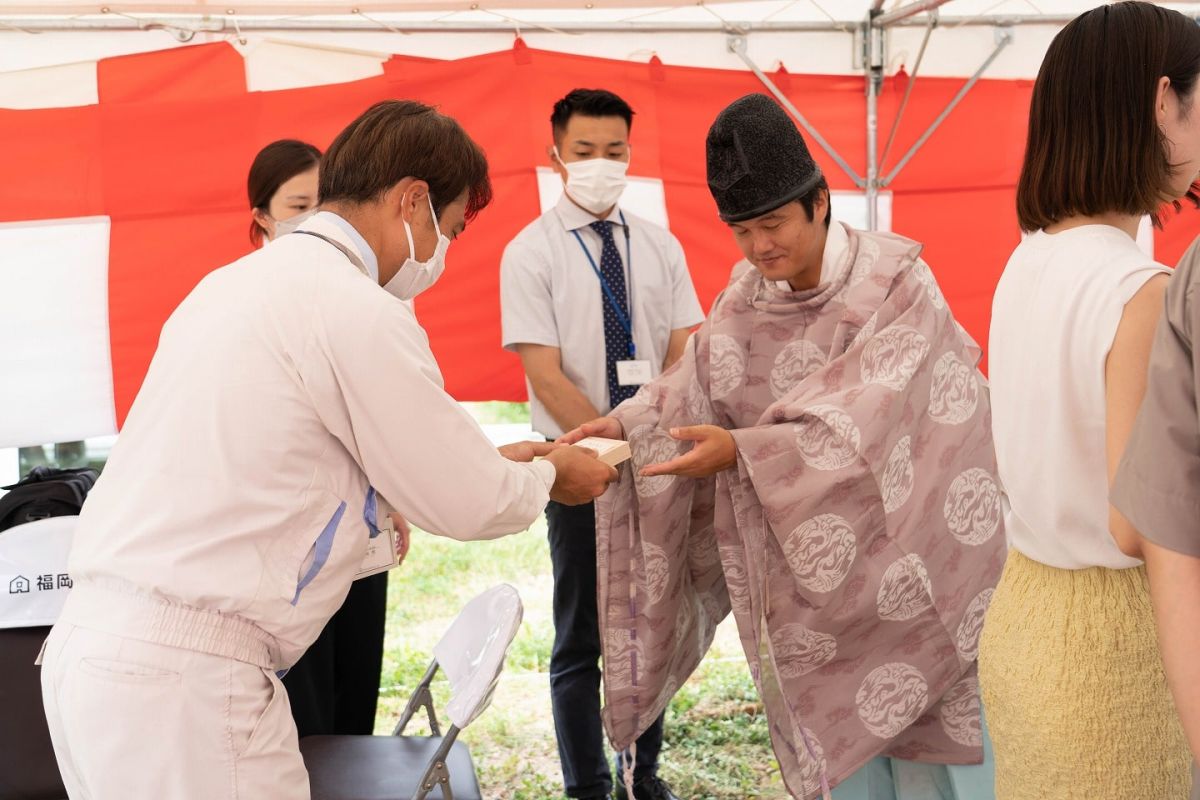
pixel 716 744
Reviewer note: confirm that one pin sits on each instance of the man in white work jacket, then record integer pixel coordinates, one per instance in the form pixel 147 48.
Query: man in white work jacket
pixel 292 394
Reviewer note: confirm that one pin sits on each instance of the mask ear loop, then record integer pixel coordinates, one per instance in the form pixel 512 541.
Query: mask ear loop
pixel 437 225
pixel 412 253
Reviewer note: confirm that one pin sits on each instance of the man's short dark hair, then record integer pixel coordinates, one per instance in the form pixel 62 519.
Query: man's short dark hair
pixel 588 103
pixel 399 139
pixel 1094 145
pixel 808 201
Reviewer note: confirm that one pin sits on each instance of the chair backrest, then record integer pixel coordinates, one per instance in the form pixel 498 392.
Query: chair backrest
pixel 33 571
pixel 472 651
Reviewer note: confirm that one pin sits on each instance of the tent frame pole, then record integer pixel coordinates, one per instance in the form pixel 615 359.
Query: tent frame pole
pixel 1004 37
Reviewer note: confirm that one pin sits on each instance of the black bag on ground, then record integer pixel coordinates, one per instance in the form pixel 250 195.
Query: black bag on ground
pixel 45 492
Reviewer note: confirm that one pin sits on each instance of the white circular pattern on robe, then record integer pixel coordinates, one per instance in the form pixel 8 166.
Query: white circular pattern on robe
pixel 898 476
pixel 821 552
pixel 866 332
pixel 925 275
pixel 864 261
pixel 971 626
pixel 799 650
pixel 960 713
pixel 973 507
pixel 651 445
pixel 727 365
pixel 905 591
pixel 830 441
pixel 620 654
pixel 796 361
pixel 954 393
pixel 812 765
pixel 893 356
pixel 658 571
pixel 891 698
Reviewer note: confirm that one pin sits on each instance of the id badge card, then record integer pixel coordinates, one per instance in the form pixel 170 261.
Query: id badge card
pixel 381 550
pixel 381 554
pixel 633 373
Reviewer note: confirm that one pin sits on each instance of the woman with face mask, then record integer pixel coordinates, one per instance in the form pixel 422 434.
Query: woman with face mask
pixel 282 185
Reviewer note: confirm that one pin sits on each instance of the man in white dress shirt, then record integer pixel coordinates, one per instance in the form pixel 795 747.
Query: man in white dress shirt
pixel 596 301
pixel 291 393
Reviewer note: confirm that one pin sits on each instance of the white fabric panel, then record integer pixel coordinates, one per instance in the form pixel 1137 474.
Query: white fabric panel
pixel 273 64
pixel 54 330
pixel 50 87
pixel 10 467
pixel 851 208
pixel 643 196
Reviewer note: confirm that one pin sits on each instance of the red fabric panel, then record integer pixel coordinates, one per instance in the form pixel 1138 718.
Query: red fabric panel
pixel 51 164
pixel 176 190
pixel 154 262
pixel 166 155
pixel 1178 233
pixel 504 100
pixel 462 312
pixel 198 72
pixel 980 145
pixel 968 237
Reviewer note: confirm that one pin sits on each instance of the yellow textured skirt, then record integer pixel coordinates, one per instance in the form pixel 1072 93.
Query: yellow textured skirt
pixel 1073 688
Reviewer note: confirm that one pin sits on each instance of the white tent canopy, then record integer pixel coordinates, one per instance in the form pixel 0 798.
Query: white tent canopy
pixel 806 36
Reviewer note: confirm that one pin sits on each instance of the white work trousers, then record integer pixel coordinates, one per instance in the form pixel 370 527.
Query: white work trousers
pixel 131 720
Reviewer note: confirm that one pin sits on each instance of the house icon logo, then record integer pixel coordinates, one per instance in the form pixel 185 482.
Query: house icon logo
pixel 19 585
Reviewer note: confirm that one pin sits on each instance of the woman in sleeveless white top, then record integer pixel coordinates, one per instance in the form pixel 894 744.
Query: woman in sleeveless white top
pixel 1073 686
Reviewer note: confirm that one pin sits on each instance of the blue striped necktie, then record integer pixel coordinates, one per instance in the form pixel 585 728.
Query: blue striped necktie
pixel 617 340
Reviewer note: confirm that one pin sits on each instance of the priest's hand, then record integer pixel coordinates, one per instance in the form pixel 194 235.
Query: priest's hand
pixel 581 476
pixel 714 450
pixel 604 427
pixel 527 451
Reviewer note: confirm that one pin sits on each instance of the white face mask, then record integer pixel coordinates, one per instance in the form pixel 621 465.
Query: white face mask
pixel 286 226
pixel 597 183
pixel 414 276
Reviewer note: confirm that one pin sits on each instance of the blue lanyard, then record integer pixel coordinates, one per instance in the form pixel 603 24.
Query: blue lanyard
pixel 622 317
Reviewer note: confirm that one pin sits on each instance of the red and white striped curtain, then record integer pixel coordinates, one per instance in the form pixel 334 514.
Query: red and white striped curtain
pixel 113 207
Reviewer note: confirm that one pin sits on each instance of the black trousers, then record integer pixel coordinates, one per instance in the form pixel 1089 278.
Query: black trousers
pixel 575 659
pixel 334 687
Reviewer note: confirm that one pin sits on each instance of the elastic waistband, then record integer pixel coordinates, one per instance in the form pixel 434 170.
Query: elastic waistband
pixel 122 611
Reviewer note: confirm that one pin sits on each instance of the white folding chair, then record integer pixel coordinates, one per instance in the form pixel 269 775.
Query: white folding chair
pixel 438 767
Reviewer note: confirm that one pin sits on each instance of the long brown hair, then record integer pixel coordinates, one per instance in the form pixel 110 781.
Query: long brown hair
pixel 275 165
pixel 1094 145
